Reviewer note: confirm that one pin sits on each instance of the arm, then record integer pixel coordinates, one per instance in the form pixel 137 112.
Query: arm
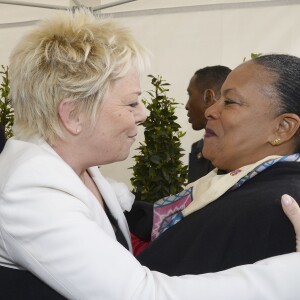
pixel 273 278
pixel 60 243
pixel 292 210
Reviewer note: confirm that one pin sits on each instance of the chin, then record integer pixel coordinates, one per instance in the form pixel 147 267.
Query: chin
pixel 204 154
pixel 197 127
pixel 123 156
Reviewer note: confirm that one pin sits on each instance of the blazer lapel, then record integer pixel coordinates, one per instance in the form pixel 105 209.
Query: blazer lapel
pixel 111 201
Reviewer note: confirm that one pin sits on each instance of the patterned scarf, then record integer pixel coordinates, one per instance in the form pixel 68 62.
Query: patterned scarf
pixel 171 209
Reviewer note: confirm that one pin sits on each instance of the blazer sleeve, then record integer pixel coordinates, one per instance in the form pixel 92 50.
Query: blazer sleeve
pixel 47 230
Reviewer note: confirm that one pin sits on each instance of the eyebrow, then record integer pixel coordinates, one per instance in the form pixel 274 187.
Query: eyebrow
pixel 225 92
pixel 137 93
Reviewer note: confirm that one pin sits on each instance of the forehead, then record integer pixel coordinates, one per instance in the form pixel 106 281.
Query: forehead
pixel 250 78
pixel 196 83
pixel 250 72
pixel 128 84
pixel 122 90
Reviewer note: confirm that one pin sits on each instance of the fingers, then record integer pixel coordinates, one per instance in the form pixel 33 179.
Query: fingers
pixel 292 210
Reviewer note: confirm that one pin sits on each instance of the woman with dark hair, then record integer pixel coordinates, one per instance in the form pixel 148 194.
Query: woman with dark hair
pixel 232 216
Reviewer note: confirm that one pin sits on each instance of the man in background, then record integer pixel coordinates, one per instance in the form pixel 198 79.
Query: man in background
pixel 2 137
pixel 203 90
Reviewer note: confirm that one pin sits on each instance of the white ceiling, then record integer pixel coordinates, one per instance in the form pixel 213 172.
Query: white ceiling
pixel 23 11
pixel 56 4
pixel 118 4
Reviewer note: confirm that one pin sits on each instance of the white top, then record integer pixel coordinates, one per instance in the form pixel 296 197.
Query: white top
pixel 53 226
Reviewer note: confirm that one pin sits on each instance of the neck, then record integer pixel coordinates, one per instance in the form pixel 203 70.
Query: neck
pixel 70 153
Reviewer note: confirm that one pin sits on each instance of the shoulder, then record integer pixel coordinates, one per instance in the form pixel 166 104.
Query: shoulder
pixel 19 153
pixel 197 146
pixel 286 173
pixel 31 174
pixel 28 161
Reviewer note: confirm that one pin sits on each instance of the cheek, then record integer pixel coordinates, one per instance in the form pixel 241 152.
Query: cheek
pixel 193 110
pixel 244 138
pixel 237 138
pixel 195 104
pixel 123 122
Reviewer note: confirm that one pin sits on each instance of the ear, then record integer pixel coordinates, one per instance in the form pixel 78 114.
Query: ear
pixel 69 118
pixel 287 127
pixel 209 98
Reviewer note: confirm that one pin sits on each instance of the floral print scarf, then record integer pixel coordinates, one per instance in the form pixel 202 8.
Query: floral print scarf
pixel 170 210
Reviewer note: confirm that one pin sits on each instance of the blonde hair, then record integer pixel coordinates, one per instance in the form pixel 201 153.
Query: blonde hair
pixel 73 55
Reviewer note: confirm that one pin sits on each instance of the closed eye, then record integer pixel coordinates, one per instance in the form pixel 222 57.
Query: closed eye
pixel 228 102
pixel 134 104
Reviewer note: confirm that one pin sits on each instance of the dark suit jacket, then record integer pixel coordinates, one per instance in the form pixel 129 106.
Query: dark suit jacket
pixel 242 226
pixel 22 285
pixel 2 138
pixel 198 165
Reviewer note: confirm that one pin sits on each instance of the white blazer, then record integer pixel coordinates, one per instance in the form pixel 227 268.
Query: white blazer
pixel 53 226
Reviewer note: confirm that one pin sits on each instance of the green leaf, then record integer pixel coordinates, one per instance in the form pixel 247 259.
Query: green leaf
pixel 158 169
pixel 6 109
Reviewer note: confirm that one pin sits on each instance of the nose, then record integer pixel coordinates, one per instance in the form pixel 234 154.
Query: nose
pixel 187 104
pixel 213 111
pixel 141 114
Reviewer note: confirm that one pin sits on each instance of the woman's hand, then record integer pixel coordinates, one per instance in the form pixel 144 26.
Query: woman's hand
pixel 292 210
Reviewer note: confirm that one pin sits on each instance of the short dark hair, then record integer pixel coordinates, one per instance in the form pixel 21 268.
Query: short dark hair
pixel 286 71
pixel 214 76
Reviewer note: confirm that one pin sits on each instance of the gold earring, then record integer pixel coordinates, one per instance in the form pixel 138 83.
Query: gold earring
pixel 276 142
